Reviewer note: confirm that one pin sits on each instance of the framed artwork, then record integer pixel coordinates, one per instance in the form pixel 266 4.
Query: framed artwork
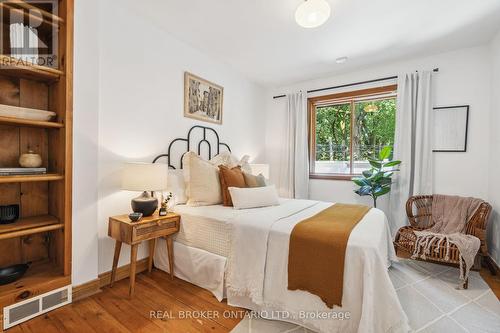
pixel 450 128
pixel 203 100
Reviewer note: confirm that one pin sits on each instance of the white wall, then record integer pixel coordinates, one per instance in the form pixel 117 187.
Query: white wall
pixel 86 93
pixel 463 78
pixel 141 106
pixel 128 105
pixel 494 171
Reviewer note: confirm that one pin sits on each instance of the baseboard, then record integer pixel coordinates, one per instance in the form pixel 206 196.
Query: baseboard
pixel 94 286
pixel 122 272
pixel 494 264
pixel 86 289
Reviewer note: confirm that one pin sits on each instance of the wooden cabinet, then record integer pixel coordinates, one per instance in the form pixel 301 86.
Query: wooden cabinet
pixel 42 235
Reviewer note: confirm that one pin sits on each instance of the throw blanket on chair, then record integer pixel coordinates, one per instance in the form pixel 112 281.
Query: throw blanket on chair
pixel 317 251
pixel 450 215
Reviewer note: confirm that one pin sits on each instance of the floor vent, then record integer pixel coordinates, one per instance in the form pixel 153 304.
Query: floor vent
pixel 30 308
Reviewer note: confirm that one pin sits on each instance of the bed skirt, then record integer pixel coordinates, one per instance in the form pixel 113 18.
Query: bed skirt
pixel 199 267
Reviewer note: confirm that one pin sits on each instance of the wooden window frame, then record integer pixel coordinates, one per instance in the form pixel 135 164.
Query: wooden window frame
pixel 388 91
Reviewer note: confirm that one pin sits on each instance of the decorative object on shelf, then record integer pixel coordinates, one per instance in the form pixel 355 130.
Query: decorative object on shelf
pixel 164 204
pixel 144 177
pixel 203 100
pixel 30 160
pixel 22 171
pixel 450 128
pixel 9 214
pixel 135 217
pixel 377 181
pixel 26 113
pixel 12 273
pixel 312 13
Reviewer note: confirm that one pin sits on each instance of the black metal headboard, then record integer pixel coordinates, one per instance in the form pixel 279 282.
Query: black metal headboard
pixel 188 141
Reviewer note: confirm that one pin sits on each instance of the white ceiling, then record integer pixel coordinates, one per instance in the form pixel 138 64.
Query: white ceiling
pixel 260 38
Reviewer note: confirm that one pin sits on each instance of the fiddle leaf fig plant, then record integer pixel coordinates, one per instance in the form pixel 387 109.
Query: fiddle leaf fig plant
pixel 377 181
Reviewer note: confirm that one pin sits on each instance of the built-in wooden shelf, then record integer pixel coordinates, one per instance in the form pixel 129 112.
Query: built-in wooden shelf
pixel 30 225
pixel 33 12
pixel 44 24
pixel 19 68
pixel 41 277
pixel 31 178
pixel 29 123
pixel 44 240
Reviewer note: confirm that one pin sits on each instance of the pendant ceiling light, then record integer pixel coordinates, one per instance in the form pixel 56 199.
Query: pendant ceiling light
pixel 312 13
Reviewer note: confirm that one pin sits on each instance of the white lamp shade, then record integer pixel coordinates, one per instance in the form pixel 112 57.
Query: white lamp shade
pixel 312 13
pixel 258 169
pixel 144 177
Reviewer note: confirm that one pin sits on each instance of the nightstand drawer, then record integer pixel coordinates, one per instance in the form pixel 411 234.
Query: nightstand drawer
pixel 154 229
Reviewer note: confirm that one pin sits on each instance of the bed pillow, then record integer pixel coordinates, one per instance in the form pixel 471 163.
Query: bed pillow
pixel 253 197
pixel 177 185
pixel 202 181
pixel 230 178
pixel 229 160
pixel 254 181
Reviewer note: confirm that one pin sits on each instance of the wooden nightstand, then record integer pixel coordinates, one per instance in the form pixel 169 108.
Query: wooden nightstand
pixel 133 233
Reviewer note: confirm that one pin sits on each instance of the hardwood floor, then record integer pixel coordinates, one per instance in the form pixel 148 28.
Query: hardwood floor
pixel 158 300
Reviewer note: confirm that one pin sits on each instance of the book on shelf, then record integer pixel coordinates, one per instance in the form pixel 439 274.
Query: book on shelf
pixel 22 171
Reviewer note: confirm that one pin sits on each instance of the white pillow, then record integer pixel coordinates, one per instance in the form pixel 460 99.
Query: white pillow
pixel 231 161
pixel 253 197
pixel 177 185
pixel 202 181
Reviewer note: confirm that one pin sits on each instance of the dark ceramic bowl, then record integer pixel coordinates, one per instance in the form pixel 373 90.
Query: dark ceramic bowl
pixel 9 214
pixel 134 217
pixel 12 273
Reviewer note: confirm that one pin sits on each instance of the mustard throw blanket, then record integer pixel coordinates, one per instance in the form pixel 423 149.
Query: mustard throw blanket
pixel 317 251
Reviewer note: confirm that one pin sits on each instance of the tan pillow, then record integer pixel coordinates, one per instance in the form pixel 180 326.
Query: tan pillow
pixel 230 178
pixel 202 181
pixel 254 181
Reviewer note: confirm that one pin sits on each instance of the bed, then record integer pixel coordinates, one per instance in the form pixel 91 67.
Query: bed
pixel 242 255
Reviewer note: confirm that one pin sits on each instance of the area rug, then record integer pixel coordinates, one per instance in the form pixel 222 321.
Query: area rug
pixel 429 297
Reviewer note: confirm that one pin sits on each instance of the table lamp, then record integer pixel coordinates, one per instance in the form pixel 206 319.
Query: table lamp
pixel 144 177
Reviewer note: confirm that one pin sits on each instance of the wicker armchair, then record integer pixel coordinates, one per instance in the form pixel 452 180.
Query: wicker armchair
pixel 419 211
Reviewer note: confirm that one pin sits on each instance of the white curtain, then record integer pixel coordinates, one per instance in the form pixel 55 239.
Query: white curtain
pixel 294 174
pixel 412 144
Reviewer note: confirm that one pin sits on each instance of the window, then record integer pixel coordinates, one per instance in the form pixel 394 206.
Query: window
pixel 347 128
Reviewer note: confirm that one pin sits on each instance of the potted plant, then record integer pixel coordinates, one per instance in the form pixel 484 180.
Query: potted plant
pixel 377 181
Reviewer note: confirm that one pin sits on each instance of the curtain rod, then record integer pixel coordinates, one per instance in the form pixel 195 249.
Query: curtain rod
pixel 352 84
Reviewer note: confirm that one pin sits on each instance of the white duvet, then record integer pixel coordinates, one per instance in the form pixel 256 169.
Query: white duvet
pixel 257 272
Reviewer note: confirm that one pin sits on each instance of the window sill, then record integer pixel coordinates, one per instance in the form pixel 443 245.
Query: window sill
pixel 329 176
